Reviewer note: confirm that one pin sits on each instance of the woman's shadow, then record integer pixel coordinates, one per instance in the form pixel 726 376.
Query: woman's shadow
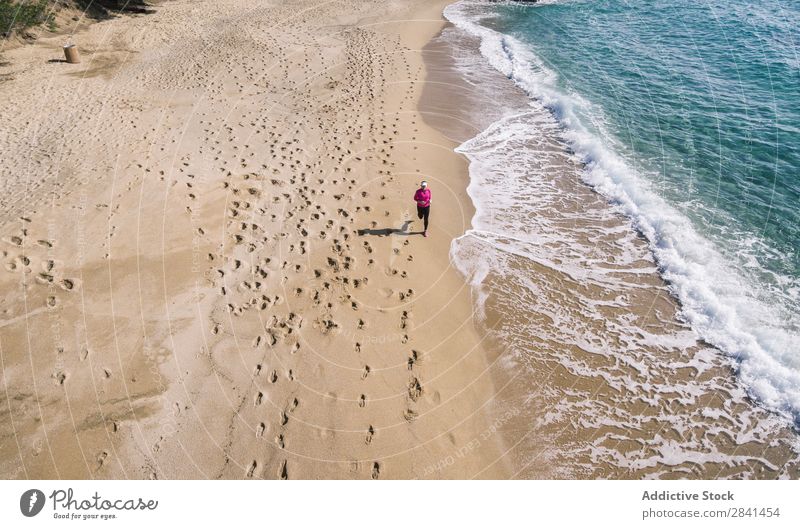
pixel 382 232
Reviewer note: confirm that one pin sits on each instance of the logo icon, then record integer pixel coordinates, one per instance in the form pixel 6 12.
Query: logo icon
pixel 31 502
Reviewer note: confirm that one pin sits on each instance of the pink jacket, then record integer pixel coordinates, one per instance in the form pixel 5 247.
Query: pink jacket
pixel 423 197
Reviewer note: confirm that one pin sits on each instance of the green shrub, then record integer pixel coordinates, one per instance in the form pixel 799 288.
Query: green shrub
pixel 16 15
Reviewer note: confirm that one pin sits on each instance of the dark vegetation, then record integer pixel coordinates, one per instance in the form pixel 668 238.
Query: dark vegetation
pixel 15 16
pixel 18 15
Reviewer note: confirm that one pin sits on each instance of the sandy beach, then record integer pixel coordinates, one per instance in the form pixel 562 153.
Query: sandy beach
pixel 212 266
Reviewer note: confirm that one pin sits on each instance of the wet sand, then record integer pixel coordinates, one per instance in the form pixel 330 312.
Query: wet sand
pixel 596 375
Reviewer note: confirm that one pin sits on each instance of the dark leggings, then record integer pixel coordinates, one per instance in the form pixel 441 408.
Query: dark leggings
pixel 424 213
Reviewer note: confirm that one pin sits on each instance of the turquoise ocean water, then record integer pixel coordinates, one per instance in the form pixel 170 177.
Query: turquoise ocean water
pixel 687 116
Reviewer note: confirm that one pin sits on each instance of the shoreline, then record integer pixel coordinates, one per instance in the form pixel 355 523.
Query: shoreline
pixel 212 269
pixel 554 371
pixel 208 286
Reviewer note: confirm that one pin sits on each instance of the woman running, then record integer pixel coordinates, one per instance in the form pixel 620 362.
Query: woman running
pixel 423 199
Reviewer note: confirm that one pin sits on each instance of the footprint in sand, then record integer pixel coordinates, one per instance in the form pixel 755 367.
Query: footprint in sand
pixel 60 378
pixel 414 389
pixel 412 360
pixel 362 401
pixel 101 458
pixel 376 470
pixel 370 434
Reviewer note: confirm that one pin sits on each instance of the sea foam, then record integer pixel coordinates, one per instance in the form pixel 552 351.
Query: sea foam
pixel 721 305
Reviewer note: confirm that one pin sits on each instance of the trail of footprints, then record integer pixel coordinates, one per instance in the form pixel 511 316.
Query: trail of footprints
pixel 34 265
pixel 275 187
pixel 290 183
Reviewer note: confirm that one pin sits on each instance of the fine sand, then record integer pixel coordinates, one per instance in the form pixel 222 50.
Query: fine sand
pixel 211 265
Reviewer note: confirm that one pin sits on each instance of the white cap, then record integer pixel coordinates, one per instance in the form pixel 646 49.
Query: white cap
pixel 424 183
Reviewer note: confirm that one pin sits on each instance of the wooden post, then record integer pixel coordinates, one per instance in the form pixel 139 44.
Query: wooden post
pixel 71 53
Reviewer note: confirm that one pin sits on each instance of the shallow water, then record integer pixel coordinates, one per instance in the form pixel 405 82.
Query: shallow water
pixel 686 117
pixel 578 283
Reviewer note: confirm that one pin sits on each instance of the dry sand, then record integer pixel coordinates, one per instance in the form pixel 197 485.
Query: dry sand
pixel 210 265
